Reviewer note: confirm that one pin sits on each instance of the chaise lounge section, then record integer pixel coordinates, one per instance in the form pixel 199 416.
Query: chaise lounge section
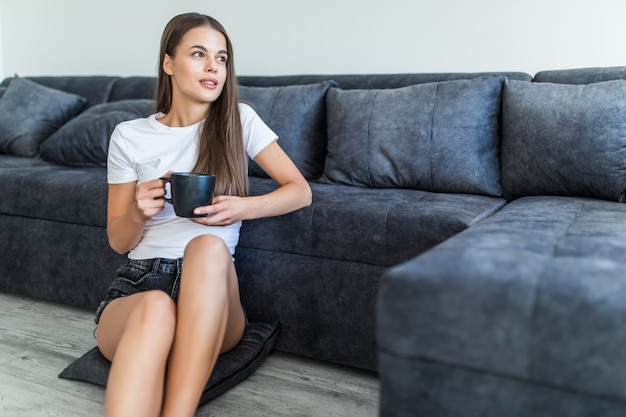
pixel 522 314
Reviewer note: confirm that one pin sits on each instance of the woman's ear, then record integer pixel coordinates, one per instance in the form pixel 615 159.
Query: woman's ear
pixel 167 64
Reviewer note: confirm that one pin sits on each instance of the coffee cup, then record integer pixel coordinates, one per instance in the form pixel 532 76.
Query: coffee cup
pixel 190 190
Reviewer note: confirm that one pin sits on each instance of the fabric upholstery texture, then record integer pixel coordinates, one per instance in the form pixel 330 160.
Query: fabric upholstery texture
pixel 230 369
pixel 72 195
pixel 441 137
pixel 133 88
pixel 46 265
pixel 441 390
pixel 84 140
pixel 373 81
pixel 581 75
pixel 567 140
pixel 533 293
pixel 326 307
pixel 30 113
pixel 297 114
pixel 95 89
pixel 13 161
pixel 375 226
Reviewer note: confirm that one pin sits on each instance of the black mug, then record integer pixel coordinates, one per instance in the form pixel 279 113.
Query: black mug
pixel 190 190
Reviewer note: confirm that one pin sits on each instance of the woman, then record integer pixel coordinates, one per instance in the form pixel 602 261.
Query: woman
pixel 163 325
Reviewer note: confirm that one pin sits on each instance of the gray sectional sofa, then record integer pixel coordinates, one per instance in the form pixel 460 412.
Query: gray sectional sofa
pixel 466 237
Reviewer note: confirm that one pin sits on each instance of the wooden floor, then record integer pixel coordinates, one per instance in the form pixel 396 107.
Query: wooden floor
pixel 38 339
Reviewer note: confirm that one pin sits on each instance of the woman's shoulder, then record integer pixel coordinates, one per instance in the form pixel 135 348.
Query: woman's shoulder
pixel 135 129
pixel 246 111
pixel 138 128
pixel 139 123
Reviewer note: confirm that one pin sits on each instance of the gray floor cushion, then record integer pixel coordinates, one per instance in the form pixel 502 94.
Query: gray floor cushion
pixel 231 368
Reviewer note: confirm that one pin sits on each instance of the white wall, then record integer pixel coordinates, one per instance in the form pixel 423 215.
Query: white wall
pixel 274 37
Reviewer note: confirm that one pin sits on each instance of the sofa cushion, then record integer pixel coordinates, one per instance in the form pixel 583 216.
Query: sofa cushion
pixel 84 140
pixel 372 226
pixel 30 112
pixel 567 140
pixel 55 192
pixel 297 114
pixel 440 137
pixel 230 369
pixel 12 161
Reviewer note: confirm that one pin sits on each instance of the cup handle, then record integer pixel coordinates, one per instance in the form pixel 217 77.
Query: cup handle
pixel 169 200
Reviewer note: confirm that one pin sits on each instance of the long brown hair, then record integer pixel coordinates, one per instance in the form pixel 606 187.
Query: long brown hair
pixel 220 145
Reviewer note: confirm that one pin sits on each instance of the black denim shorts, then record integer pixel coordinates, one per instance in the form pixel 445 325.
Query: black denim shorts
pixel 143 275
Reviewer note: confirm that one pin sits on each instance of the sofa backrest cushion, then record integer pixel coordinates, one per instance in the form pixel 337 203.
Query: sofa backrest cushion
pixel 566 140
pixel 30 113
pixel 84 140
pixel 440 137
pixel 297 114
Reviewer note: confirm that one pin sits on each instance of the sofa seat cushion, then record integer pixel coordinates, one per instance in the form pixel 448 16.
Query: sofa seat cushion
pixel 52 192
pixel 373 226
pixel 535 292
pixel 12 161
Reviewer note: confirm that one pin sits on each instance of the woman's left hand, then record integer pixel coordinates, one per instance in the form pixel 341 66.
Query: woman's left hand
pixel 223 211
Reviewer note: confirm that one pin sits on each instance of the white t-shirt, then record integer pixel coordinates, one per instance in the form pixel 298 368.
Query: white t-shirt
pixel 144 149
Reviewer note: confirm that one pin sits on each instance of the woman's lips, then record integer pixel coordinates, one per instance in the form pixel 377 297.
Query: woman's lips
pixel 209 82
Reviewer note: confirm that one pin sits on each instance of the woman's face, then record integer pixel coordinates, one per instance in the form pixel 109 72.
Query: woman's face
pixel 198 67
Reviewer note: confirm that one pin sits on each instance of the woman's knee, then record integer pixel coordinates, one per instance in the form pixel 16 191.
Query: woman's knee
pixel 156 309
pixel 207 245
pixel 207 267
pixel 149 316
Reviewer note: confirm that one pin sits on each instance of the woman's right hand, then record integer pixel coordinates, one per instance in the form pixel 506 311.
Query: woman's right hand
pixel 149 197
pixel 130 206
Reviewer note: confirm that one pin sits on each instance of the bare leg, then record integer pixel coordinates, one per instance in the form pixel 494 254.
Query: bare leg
pixel 136 334
pixel 209 321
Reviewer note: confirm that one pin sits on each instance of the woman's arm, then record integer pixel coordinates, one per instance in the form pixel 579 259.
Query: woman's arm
pixel 130 206
pixel 294 193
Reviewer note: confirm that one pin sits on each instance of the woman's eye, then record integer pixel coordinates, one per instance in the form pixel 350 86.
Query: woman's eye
pixel 222 59
pixel 198 54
